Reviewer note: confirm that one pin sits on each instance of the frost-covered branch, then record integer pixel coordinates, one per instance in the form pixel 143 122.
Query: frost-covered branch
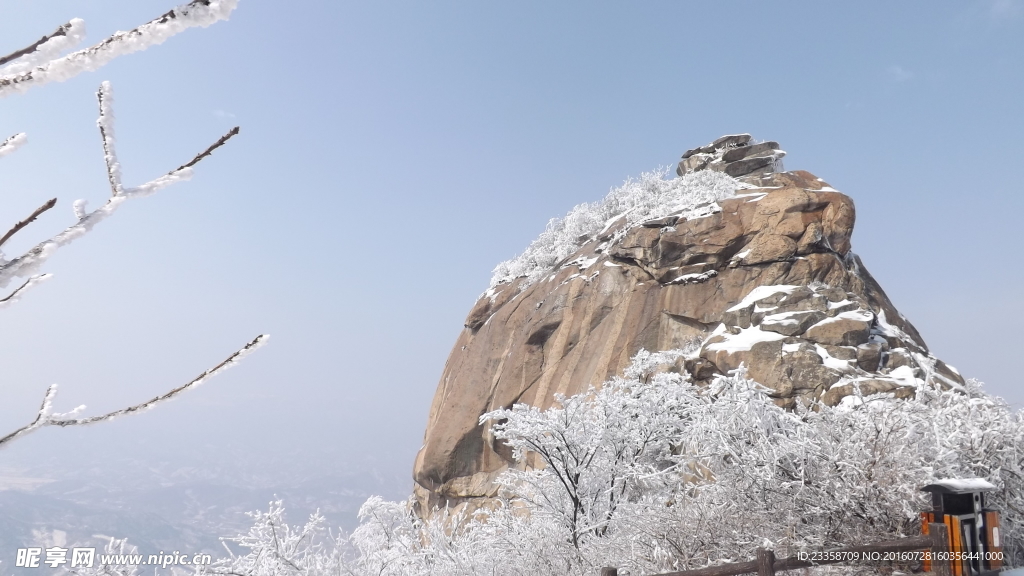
pixel 65 37
pixel 46 417
pixel 13 143
pixel 195 13
pixel 13 296
pixel 28 262
pixel 106 125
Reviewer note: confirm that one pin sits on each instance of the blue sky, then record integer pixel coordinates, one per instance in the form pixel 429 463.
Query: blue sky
pixel 393 152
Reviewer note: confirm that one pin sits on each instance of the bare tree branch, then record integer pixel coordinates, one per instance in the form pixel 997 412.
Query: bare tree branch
pixel 60 31
pixel 208 151
pixel 49 204
pixel 46 417
pixel 194 13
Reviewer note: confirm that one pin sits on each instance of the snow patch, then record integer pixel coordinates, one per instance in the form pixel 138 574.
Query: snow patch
pixel 887 329
pixel 785 318
pixel 858 314
pixel 743 341
pixel 904 376
pixel 966 485
pixel 752 196
pixel 695 278
pixel 927 363
pixel 762 292
pixel 831 361
pixel 583 262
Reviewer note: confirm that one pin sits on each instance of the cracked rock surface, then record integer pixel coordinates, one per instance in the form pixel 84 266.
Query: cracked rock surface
pixel 767 280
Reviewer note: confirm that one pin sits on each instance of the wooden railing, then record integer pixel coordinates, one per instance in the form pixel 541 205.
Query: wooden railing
pixel 766 564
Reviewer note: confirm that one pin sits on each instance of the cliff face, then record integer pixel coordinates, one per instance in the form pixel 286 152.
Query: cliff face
pixel 763 277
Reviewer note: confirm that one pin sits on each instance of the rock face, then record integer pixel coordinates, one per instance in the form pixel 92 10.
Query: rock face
pixel 766 279
pixel 735 155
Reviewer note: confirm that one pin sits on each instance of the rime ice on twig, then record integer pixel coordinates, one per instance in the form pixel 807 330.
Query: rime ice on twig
pixel 46 416
pixel 195 13
pixel 13 143
pixel 30 261
pixel 65 37
pixel 13 296
pixel 40 63
pixel 106 125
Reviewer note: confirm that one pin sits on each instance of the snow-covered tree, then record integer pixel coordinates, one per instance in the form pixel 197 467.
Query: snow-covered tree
pixel 49 60
pixel 273 547
pixel 598 449
pixel 652 473
pixel 734 472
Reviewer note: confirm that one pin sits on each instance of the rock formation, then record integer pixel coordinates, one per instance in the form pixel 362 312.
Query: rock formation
pixel 764 277
pixel 734 155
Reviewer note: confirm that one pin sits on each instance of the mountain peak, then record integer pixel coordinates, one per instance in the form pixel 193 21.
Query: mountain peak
pixel 735 262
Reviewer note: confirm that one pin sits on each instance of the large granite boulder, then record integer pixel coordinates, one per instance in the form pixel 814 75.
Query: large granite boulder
pixel 764 279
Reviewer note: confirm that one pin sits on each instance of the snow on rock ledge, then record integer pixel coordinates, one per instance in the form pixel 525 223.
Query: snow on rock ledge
pixel 820 343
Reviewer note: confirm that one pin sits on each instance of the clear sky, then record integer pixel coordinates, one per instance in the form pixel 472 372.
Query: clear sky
pixel 393 152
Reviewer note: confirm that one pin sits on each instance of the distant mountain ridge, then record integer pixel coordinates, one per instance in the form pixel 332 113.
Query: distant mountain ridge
pixel 157 508
pixel 735 261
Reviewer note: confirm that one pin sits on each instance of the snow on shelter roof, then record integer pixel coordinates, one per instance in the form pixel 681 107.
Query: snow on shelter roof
pixel 959 486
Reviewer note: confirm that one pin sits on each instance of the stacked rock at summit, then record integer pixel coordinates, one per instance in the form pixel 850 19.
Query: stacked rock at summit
pixel 735 155
pixel 764 279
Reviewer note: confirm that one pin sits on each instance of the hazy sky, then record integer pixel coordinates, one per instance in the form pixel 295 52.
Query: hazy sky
pixel 393 152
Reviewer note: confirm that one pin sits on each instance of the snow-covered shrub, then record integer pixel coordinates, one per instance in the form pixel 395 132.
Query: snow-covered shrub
pixel 275 548
pixel 388 539
pixel 649 196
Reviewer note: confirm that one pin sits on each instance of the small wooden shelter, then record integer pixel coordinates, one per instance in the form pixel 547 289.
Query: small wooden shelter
pixel 975 546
